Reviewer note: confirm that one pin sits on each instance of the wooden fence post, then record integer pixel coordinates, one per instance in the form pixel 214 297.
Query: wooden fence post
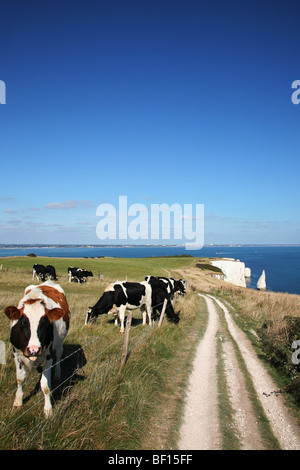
pixel 162 313
pixel 126 339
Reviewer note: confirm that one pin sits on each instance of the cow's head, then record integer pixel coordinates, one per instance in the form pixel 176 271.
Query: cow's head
pixel 104 305
pixel 154 281
pixel 179 286
pixel 32 327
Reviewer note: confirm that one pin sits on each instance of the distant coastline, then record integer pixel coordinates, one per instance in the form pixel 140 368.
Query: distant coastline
pixel 4 246
pixel 280 262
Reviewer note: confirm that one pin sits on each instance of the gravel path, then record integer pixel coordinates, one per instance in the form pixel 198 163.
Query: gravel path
pixel 200 428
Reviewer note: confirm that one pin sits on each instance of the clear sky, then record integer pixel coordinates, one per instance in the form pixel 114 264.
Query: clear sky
pixel 169 101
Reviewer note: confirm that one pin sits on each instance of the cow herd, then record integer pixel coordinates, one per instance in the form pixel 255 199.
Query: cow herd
pixel 40 271
pixel 40 321
pixel 74 274
pixel 149 295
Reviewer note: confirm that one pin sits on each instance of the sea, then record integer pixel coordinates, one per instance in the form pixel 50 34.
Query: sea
pixel 281 263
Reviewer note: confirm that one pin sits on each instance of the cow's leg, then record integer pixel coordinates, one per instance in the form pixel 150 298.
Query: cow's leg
pixel 143 309
pixel 122 310
pixel 149 314
pixel 58 353
pixel 143 314
pixel 46 387
pixel 116 319
pixel 20 374
pixel 33 273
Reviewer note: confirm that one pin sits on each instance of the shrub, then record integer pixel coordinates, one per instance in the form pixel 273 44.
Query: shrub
pixel 277 343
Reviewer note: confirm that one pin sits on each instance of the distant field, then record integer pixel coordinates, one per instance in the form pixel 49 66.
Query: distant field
pixel 111 268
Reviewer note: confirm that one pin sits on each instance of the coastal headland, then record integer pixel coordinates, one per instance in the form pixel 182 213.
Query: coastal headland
pixel 148 395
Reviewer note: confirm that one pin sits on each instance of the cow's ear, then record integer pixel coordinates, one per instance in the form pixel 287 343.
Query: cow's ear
pixel 13 313
pixel 55 314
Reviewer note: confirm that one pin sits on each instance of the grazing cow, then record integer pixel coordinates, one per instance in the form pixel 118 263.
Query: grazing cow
pixel 50 270
pixel 39 325
pixel 161 291
pixel 39 270
pixel 82 274
pixel 71 273
pixel 120 296
pixel 173 286
pixel 78 273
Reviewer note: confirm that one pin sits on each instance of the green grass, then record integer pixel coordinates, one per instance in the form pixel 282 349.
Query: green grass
pixel 112 268
pixel 97 406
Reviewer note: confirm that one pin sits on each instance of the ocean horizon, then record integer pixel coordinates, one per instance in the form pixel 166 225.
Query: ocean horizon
pixel 280 262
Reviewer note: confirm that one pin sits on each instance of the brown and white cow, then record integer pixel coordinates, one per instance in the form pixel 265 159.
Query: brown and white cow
pixel 39 325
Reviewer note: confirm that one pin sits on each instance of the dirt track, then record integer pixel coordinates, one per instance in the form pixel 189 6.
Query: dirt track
pixel 200 429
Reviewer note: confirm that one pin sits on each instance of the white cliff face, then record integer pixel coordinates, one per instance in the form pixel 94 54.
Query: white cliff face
pixel 234 271
pixel 261 283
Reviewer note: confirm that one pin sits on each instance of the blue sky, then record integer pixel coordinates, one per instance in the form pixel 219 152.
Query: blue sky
pixel 185 102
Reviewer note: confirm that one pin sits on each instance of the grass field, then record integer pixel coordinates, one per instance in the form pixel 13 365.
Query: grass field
pixel 96 406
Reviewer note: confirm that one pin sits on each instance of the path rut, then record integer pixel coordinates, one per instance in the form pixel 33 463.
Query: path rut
pixel 200 429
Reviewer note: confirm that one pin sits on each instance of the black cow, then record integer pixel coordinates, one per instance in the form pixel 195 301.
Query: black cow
pixel 79 274
pixel 50 270
pixel 162 290
pixel 120 296
pixel 39 270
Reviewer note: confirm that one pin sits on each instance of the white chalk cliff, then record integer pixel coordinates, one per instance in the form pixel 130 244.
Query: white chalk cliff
pixel 261 283
pixel 234 271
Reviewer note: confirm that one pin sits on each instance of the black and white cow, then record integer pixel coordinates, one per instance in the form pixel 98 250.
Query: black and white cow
pixel 71 273
pixel 162 290
pixel 50 271
pixel 39 324
pixel 120 296
pixel 78 274
pixel 176 286
pixel 82 274
pixel 173 286
pixel 39 270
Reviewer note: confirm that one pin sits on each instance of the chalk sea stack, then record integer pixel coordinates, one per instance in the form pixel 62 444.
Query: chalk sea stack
pixel 247 272
pixel 261 283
